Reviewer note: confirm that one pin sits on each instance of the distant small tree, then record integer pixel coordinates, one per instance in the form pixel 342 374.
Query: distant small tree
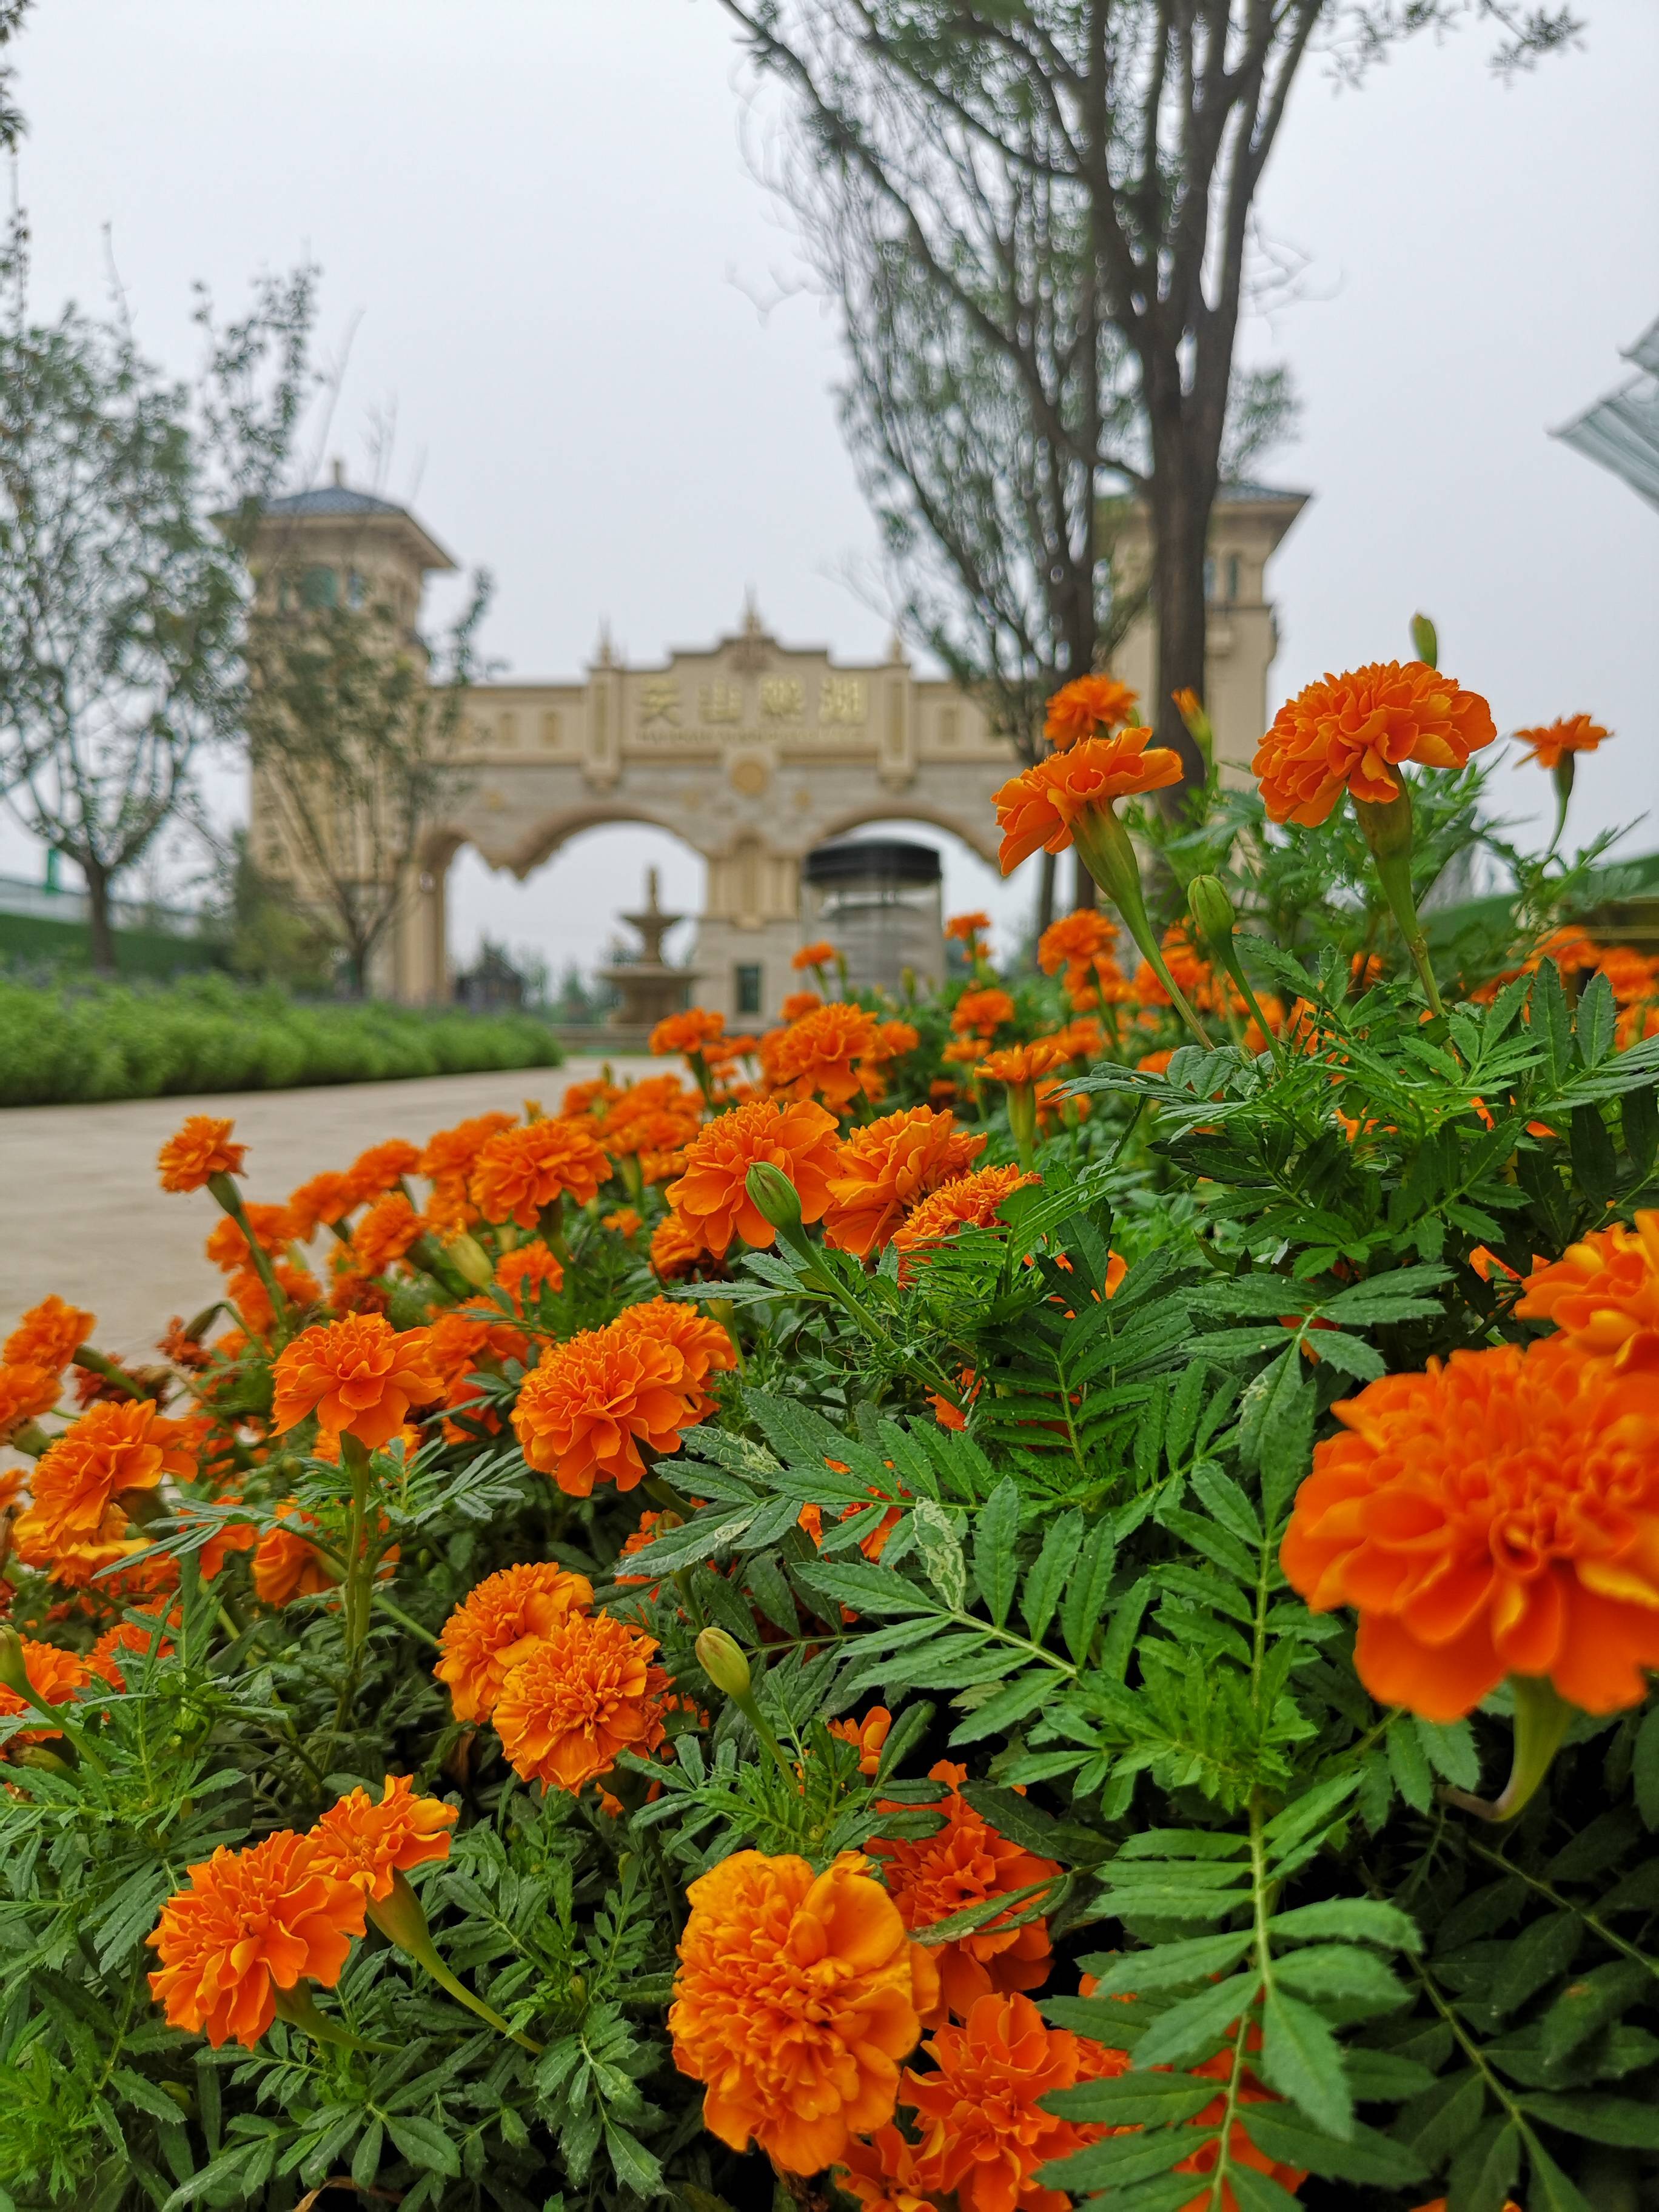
pixel 353 724
pixel 121 601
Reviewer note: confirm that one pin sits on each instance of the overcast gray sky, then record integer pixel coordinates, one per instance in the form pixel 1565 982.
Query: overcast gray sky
pixel 536 218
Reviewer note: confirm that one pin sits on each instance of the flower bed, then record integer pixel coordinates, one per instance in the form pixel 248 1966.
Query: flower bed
pixel 61 1045
pixel 1046 1592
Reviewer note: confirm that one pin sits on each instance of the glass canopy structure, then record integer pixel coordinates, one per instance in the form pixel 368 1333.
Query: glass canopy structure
pixel 1621 432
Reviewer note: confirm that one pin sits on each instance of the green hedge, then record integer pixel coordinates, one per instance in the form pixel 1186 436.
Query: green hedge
pixel 206 1033
pixel 38 937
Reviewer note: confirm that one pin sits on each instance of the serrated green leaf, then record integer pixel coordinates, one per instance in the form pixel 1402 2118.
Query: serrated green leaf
pixel 1485 2168
pixel 1617 2120
pixel 423 2143
pixel 1552 2191
pixel 1302 2059
pixel 1409 1765
pixel 996 1558
pixel 1589 2002
pixel 1173 1965
pixel 1645 1768
pixel 1355 1919
pixel 1049 1574
pixel 1195 2029
pixel 1085 1593
pixel 1450 1747
pixel 1134 2100
pixel 1338 1970
pixel 1122 2159
pixel 1538 1954
pixel 1367 2155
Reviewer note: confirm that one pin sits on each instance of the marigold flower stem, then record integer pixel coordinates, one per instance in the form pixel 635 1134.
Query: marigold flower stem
pixel 411 1626
pixel 1110 859
pixel 1387 829
pixel 401 1920
pixel 300 2009
pixel 224 1190
pixel 1542 1717
pixel 1562 773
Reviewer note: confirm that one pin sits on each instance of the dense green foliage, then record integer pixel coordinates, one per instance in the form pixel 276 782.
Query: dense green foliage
pixel 62 1044
pixel 1279 1887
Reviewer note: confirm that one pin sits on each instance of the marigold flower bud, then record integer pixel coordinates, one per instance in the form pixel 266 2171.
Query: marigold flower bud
pixel 1425 644
pixel 14 1675
pixel 470 1260
pixel 1212 910
pixel 775 1195
pixel 721 1658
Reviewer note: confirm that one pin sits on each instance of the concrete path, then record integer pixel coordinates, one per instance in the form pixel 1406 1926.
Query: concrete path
pixel 83 1213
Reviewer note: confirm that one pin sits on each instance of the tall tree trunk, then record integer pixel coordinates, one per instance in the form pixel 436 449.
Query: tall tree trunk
pixel 1181 531
pixel 98 922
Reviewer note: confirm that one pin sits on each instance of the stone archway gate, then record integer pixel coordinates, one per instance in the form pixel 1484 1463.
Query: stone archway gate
pixel 752 752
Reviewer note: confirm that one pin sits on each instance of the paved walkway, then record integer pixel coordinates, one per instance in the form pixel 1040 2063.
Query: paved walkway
pixel 82 1212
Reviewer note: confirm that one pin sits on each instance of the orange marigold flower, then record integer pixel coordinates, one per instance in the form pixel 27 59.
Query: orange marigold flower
pixel 891 1041
pixel 54 1675
pixel 712 1200
pixel 1154 1063
pixel 521 1171
pixel 360 1377
pixel 1603 1292
pixel 704 1345
pixel 584 1412
pixel 251 1922
pixel 1086 706
pixel 49 1335
pixel 1074 940
pixel 625 1222
pixel 26 1392
pixel 796 1997
pixel 384 1235
pixel 226 1246
pixel 963 1863
pixel 1023 1063
pixel 1630 974
pixel 973 1201
pixel 799 1003
pixel 201 1149
pixel 1348 733
pixel 495 1624
pixel 320 1202
pixel 820 954
pixel 818 1053
pixel 1499 1515
pixel 1037 808
pixel 246 1292
pixel 581 1694
pixel 880 2172
pixel 980 1013
pixel 868 1737
pixel 675 1248
pixel 1575 733
pixel 105 1657
pixel 452 1152
pixel 522 1272
pixel 888 1166
pixel 1484 1260
pixel 365 1844
pixel 117 1445
pixel 965 928
pixel 383 1166
pixel 286 1565
pixel 984 2132
pixel 688 1032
